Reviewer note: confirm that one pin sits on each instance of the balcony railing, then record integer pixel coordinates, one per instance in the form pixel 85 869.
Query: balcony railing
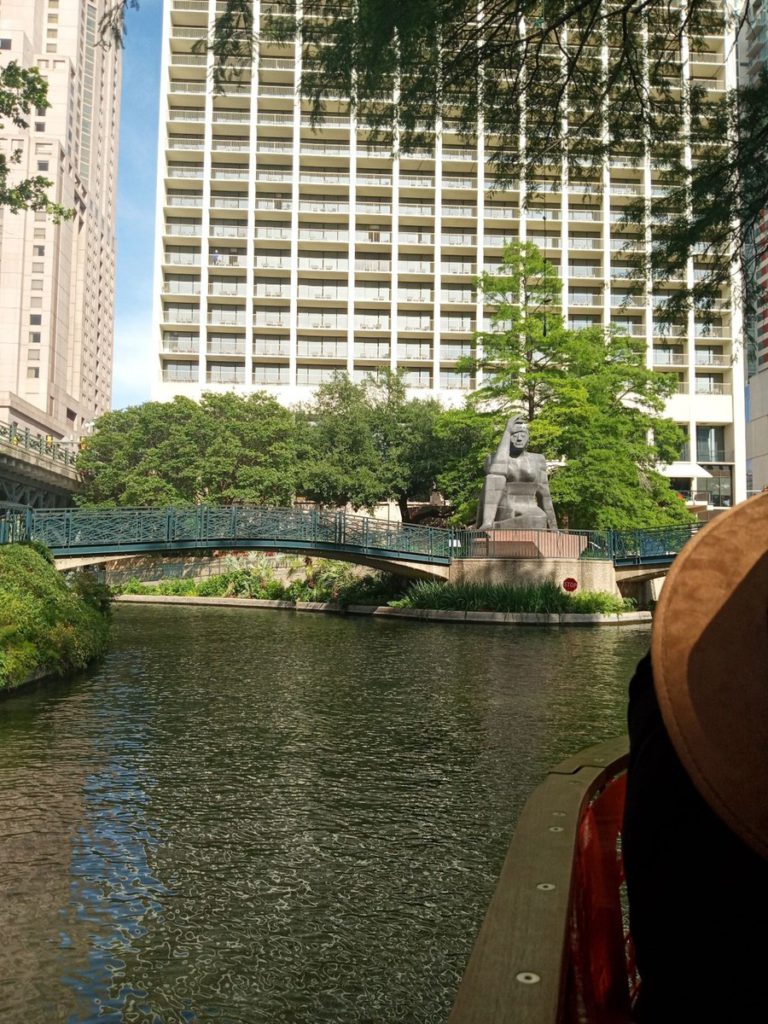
pixel 226 347
pixel 670 359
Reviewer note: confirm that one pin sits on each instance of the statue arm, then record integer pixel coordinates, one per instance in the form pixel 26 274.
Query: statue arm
pixel 498 460
pixel 495 482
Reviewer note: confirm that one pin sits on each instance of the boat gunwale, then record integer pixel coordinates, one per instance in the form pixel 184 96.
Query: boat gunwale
pixel 517 970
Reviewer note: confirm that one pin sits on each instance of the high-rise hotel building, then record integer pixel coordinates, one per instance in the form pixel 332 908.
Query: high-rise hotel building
pixel 57 280
pixel 753 56
pixel 286 252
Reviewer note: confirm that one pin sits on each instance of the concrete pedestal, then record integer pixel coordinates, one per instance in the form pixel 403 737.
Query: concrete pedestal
pixel 590 574
pixel 526 544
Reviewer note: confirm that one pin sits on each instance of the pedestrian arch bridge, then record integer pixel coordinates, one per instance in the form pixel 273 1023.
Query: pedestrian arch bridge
pixel 89 536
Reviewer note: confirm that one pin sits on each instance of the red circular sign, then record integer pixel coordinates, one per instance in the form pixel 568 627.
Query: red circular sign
pixel 570 584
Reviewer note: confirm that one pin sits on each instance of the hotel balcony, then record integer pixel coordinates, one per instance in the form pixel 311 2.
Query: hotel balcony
pixel 270 375
pixel 272 347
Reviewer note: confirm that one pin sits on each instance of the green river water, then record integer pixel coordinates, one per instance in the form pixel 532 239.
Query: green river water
pixel 276 818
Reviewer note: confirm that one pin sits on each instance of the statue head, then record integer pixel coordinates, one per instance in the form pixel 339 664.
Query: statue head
pixel 518 435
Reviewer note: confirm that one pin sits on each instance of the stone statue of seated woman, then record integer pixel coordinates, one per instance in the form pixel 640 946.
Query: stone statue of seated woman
pixel 515 494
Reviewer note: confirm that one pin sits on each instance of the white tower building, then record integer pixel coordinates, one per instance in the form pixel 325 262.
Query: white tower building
pixel 285 253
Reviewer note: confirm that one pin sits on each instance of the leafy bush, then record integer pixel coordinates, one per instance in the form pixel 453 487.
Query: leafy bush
pixel 48 624
pixel 543 598
pixel 91 590
pixel 41 549
pixel 213 586
pixel 176 588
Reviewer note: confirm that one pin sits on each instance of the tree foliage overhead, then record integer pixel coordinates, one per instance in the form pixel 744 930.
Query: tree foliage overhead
pixel 21 90
pixel 544 80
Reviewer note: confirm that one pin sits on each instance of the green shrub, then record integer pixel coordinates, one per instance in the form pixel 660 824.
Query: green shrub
pixel 47 623
pixel 175 588
pixel 543 598
pixel 133 586
pixel 274 591
pixel 91 590
pixel 213 586
pixel 42 549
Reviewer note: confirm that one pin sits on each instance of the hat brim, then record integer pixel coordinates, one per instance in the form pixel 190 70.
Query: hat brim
pixel 709 652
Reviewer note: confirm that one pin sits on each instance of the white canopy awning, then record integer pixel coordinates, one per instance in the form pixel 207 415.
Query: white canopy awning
pixel 683 470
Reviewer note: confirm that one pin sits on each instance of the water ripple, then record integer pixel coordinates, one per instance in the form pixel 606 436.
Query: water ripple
pixel 277 819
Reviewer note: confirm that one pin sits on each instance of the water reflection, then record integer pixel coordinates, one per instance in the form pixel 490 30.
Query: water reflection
pixel 263 817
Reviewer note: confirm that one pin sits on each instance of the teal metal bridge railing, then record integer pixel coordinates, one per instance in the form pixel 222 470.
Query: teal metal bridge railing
pixel 40 444
pixel 75 532
pixel 657 546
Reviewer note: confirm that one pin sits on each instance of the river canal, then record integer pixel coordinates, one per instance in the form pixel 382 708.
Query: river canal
pixel 274 818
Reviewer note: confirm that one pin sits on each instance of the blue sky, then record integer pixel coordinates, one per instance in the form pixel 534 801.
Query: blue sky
pixel 136 184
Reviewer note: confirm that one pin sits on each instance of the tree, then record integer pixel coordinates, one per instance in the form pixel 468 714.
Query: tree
pixel 224 450
pixel 589 398
pixel 249 449
pixel 521 354
pixel 466 437
pixel 22 89
pixel 367 443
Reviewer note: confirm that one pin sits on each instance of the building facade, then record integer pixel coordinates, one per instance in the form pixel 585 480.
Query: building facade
pixel 287 251
pixel 57 281
pixel 753 56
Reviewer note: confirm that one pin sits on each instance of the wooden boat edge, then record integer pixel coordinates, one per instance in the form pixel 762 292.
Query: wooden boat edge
pixel 517 970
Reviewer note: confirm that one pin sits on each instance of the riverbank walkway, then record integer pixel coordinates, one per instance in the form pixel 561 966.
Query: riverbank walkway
pixel 72 533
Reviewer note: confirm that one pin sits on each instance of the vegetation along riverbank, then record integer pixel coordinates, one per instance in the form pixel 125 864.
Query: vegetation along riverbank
pixel 50 623
pixel 328 581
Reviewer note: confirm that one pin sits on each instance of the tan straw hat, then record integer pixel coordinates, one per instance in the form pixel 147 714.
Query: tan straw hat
pixel 710 664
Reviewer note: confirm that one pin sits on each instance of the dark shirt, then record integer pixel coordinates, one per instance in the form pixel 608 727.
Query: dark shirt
pixel 698 895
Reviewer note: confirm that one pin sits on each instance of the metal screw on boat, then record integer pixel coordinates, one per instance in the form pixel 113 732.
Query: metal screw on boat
pixel 545 886
pixel 527 978
pixel 555 828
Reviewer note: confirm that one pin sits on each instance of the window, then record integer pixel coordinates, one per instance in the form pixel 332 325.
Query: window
pixel 177 371
pixel 37 284
pixel 39 126
pixel 42 165
pixel 710 444
pixel 34 337
pixel 35 319
pixel 38 250
pixel 5 44
pixel 38 268
pixel 33 354
pixel 270 374
pixel 33 372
